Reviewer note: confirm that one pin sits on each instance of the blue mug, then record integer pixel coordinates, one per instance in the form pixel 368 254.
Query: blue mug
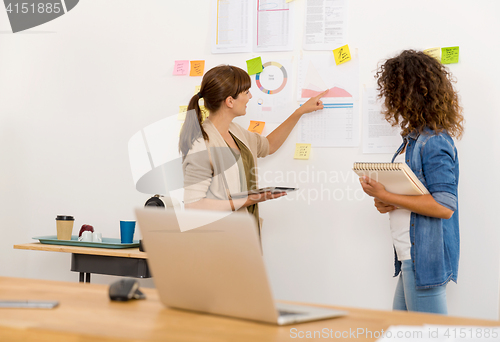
pixel 127 229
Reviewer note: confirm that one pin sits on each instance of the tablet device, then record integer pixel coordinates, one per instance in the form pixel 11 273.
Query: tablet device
pixel 272 189
pixel 28 304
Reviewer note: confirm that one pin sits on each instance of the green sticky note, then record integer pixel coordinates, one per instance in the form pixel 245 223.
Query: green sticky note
pixel 449 55
pixel 254 66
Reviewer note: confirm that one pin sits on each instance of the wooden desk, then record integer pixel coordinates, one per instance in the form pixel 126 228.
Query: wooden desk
pixel 85 313
pixel 127 262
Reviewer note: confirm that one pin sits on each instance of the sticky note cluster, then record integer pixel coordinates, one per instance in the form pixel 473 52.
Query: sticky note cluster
pixel 183 67
pixel 302 151
pixel 342 54
pixel 446 55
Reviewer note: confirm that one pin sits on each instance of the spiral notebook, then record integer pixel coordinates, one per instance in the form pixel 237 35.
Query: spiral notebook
pixel 397 178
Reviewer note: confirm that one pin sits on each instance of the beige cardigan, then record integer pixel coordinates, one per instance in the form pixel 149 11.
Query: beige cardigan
pixel 207 161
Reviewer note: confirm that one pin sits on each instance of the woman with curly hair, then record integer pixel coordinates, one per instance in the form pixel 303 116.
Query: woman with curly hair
pixel 419 97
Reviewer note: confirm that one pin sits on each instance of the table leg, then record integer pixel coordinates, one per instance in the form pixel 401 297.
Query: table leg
pixel 84 277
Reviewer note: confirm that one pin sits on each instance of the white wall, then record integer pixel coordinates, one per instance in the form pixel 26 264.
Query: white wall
pixel 73 91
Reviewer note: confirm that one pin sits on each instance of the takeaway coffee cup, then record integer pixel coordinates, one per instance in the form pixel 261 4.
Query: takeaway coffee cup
pixel 127 229
pixel 64 226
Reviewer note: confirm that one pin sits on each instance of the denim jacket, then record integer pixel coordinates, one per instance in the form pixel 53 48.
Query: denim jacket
pixel 435 242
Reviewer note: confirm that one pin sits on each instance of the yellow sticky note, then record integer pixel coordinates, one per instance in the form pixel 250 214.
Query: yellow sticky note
pixel 302 151
pixel 342 54
pixel 449 55
pixel 197 68
pixel 256 126
pixel 287 1
pixel 182 113
pixel 197 89
pixel 204 113
pixel 434 52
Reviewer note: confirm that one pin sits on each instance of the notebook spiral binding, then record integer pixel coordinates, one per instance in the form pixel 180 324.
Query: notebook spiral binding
pixel 377 166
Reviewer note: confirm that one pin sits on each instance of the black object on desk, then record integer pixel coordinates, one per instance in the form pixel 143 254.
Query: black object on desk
pixel 124 290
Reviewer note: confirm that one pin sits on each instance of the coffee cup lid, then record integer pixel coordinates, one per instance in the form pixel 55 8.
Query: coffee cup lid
pixel 65 218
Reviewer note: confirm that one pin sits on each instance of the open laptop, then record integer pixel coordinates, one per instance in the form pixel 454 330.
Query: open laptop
pixel 211 262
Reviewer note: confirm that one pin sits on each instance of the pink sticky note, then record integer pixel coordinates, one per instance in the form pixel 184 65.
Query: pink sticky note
pixel 181 68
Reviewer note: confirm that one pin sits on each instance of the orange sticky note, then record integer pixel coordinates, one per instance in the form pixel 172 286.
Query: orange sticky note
pixel 256 126
pixel 302 151
pixel 197 68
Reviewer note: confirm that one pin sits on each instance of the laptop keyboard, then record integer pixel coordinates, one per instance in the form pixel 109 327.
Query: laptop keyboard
pixel 288 313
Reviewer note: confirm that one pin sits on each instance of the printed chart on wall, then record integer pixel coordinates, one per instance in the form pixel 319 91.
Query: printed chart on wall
pixel 271 92
pixel 273 26
pixel 337 125
pixel 243 25
pixel 231 26
pixel 378 135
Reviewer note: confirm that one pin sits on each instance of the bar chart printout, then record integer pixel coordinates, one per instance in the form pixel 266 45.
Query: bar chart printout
pixel 337 124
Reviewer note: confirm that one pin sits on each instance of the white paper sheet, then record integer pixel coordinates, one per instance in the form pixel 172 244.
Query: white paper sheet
pixel 378 135
pixel 337 125
pixel 325 24
pixel 231 26
pixel 273 26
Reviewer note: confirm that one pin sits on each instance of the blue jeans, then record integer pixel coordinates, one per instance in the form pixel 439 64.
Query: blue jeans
pixel 408 298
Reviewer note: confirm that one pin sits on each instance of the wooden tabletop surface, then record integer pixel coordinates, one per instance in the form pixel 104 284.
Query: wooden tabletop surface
pixel 120 252
pixel 85 313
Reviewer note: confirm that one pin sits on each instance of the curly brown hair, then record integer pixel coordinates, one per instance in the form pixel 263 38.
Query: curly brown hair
pixel 418 93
